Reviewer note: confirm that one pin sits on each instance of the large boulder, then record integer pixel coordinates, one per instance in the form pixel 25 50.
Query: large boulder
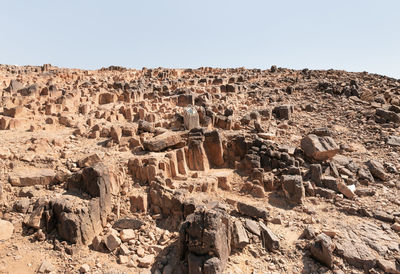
pixel 32 176
pixel 196 156
pixel 205 241
pixel 319 148
pixel 162 141
pixel 213 148
pixel 77 220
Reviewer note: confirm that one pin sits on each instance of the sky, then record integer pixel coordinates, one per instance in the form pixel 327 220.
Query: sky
pixel 354 35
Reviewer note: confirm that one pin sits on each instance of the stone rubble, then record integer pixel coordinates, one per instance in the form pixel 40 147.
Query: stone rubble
pixel 198 171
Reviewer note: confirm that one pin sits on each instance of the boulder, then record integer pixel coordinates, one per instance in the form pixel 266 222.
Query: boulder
pixel 77 220
pixel 32 176
pixel 205 240
pixel 386 116
pixel 346 190
pixel 252 211
pixel 283 112
pixel 239 235
pixel 213 148
pixel 269 240
pixel 195 156
pixel 322 249
pixel 89 160
pixel 319 148
pixel 162 141
pixel 377 170
pixel 293 188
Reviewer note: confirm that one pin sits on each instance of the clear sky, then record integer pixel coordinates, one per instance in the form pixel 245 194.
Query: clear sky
pixel 355 35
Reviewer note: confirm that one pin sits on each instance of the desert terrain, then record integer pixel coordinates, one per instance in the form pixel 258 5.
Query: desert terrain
pixel 201 170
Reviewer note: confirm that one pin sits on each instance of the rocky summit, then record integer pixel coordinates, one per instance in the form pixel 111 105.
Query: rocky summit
pixel 195 171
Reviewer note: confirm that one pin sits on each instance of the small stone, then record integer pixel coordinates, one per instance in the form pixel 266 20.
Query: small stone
pixel 346 190
pixel 85 268
pixel 396 227
pixel 140 251
pixel 308 233
pixel 127 234
pixel 146 261
pixel 6 230
pixel 123 259
pixel 46 267
pixel 252 226
pixel 112 242
pixel 377 170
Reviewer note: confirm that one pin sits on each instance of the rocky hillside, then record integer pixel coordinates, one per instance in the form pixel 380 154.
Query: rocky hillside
pixel 198 171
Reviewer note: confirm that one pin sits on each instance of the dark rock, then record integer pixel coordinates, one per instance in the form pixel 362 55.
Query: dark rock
pixel 128 223
pixel 203 236
pixel 269 240
pixel 252 211
pixel 239 235
pixel 377 170
pixel 322 249
pixel 283 112
pixel 316 173
pixel 293 188
pixel 386 116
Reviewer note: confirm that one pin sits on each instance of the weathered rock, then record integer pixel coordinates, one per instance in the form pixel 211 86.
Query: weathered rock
pixel 32 176
pixel 146 261
pixel 128 223
pixel 239 235
pixel 116 134
pixel 308 233
pixel 388 266
pixel 293 188
pixel 145 126
pixel 89 160
pixel 386 116
pixel 283 112
pixel 85 268
pixel 393 141
pixel 5 153
pixel 162 141
pixel 316 173
pixel 322 249
pixel 77 220
pixel 6 230
pixel 191 118
pixel 112 242
pixel 127 234
pixel 139 203
pixel 319 148
pixel 377 169
pixel 195 156
pixel 269 240
pixel 346 190
pixel 213 148
pixel 46 267
pixel 252 211
pixel 253 227
pixel 204 235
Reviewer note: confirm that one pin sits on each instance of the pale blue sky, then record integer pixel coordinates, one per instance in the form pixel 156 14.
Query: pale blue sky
pixel 355 35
